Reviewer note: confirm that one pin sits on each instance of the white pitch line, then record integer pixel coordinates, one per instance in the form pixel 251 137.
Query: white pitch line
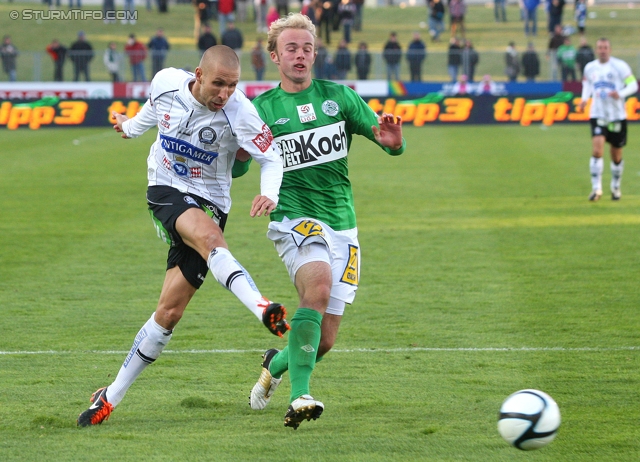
pixel 352 350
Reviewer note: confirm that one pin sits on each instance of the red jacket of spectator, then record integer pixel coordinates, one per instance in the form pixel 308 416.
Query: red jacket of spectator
pixel 136 51
pixel 226 6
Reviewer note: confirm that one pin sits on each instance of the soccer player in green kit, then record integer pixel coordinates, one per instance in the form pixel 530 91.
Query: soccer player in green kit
pixel 314 225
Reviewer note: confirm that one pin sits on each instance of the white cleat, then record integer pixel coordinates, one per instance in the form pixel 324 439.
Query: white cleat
pixel 595 195
pixel 615 194
pixel 303 408
pixel 265 387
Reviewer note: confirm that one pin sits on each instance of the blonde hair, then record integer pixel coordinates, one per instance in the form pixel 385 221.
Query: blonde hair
pixel 291 21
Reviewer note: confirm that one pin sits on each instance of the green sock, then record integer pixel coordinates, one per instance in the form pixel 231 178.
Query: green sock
pixel 280 363
pixel 304 338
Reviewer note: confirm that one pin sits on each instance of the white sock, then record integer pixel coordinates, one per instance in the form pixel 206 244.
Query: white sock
pixel 596 165
pixel 147 346
pixel 231 275
pixel 616 175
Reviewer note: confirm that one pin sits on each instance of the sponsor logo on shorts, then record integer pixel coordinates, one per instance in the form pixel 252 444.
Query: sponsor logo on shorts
pixel 350 273
pixel 330 108
pixel 308 228
pixel 313 147
pixel 306 113
pixel 190 200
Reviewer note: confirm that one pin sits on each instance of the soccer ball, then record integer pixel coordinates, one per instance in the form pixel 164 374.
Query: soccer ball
pixel 529 419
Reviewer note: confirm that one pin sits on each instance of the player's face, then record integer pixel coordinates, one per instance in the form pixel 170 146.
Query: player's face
pixel 216 84
pixel 603 50
pixel 295 55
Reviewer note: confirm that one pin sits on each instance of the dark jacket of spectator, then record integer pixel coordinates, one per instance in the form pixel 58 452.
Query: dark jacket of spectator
pixel 363 62
pixel 530 64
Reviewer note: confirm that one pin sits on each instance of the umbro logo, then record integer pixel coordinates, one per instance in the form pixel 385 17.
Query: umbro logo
pixel 308 348
pixel 281 121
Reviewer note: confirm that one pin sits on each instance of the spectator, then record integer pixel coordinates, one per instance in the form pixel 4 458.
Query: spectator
pixel 320 64
pixel 58 53
pixel 81 54
pixel 436 19
pixel 330 71
pixel 363 61
pixel 226 14
pixel 416 54
pixel 342 60
pixel 357 20
pixel 206 40
pixel 392 54
pixel 109 11
pixel 241 10
pixel 487 86
pixel 584 55
pixel 272 16
pixel 555 14
pixel 137 53
pixel 324 17
pixel 454 59
pixel 457 10
pixel 9 53
pixel 512 63
pixel 159 46
pixel 530 63
pixel 202 15
pixel 131 12
pixel 554 43
pixel 282 7
pixel 232 38
pixel 499 11
pixel 112 59
pixel 530 16
pixel 461 87
pixel 470 60
pixel 567 59
pixel 258 59
pixel 261 8
pixel 346 13
pixel 580 13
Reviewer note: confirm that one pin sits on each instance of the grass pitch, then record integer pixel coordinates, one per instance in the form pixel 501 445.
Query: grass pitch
pixel 485 270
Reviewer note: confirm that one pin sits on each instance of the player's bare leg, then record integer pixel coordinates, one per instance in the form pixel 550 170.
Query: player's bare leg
pixel 202 234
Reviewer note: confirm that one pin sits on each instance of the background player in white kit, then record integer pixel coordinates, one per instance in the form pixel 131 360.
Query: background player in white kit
pixel 608 81
pixel 201 122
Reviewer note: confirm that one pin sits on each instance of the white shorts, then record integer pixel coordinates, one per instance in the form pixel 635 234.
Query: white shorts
pixel 304 240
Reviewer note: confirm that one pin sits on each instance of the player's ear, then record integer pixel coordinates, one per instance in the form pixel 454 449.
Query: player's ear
pixel 274 57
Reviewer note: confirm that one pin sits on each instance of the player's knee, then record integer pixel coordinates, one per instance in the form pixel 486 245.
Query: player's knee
pixel 168 317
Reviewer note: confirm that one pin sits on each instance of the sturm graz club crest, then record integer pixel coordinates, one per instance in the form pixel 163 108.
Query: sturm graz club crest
pixel 330 107
pixel 207 135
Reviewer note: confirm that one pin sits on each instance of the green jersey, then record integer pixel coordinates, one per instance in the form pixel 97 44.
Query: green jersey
pixel 313 129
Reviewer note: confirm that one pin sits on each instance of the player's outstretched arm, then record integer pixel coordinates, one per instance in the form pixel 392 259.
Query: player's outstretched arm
pixel 120 119
pixel 262 205
pixel 389 134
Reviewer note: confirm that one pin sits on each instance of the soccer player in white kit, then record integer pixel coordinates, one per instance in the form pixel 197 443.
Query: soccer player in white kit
pixel 202 121
pixel 607 81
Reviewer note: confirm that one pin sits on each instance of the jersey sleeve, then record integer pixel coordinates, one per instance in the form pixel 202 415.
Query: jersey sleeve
pixel 362 118
pixel 587 88
pixel 143 121
pixel 255 137
pixel 627 78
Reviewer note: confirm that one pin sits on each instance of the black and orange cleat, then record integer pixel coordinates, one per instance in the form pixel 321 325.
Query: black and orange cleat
pixel 273 317
pixel 98 412
pixel 301 409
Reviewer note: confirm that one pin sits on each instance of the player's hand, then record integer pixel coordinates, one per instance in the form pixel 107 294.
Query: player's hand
pixel 581 106
pixel 389 134
pixel 120 119
pixel 614 94
pixel 262 205
pixel 242 155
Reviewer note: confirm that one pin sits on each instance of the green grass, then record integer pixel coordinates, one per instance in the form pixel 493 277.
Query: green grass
pixel 485 270
pixel 489 38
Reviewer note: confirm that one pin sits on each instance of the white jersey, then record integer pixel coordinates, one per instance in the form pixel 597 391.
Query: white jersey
pixel 195 148
pixel 600 79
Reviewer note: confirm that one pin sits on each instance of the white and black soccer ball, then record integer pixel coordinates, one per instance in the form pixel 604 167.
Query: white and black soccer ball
pixel 529 419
